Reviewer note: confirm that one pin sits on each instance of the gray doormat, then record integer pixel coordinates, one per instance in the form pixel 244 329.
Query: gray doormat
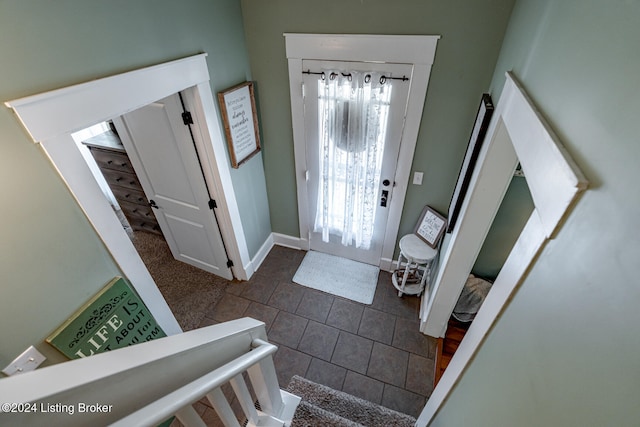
pixel 338 276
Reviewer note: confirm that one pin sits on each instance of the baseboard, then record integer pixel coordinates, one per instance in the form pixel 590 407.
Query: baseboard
pixel 296 243
pixel 387 264
pixel 259 257
pixel 290 241
pixel 272 239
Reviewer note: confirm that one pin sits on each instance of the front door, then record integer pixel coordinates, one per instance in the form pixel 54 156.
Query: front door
pixel 354 118
pixel 165 159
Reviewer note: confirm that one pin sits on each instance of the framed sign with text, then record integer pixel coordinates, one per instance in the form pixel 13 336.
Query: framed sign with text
pixel 116 317
pixel 430 226
pixel 240 119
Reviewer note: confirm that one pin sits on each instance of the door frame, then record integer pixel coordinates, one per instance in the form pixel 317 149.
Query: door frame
pixel 418 51
pixel 517 133
pixel 51 117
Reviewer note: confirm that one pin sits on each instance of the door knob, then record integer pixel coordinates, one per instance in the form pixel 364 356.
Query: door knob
pixel 153 204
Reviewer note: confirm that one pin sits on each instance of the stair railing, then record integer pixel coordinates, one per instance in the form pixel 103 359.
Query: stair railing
pixel 145 384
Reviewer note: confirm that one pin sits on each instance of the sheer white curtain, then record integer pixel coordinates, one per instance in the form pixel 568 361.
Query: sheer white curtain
pixel 353 111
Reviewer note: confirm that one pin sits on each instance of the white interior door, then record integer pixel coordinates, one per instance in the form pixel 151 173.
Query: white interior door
pixel 330 203
pixel 163 154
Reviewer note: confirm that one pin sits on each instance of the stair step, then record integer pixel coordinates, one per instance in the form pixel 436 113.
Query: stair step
pixel 311 415
pixel 347 406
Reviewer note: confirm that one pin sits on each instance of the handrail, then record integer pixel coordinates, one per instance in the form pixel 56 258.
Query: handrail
pixel 163 408
pixel 131 378
pixel 54 379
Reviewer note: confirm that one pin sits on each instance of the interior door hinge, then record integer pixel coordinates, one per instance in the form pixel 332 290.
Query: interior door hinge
pixel 229 263
pixel 212 204
pixel 186 118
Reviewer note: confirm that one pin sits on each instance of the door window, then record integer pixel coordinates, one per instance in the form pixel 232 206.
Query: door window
pixel 354 117
pixel 353 109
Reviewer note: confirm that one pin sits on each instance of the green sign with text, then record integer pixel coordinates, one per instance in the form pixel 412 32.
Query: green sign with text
pixel 114 318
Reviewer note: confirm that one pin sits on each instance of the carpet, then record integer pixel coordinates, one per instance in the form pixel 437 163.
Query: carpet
pixel 338 276
pixel 189 291
pixel 324 406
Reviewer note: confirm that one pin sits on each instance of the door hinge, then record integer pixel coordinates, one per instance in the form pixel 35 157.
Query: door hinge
pixel 229 263
pixel 186 118
pixel 212 204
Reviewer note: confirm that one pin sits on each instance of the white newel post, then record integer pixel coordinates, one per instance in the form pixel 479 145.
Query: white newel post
pixel 265 383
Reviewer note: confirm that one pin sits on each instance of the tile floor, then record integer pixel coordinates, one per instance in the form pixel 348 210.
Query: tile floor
pixel 375 351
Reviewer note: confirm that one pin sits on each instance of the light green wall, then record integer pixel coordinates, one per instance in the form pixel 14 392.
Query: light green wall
pixel 565 351
pixel 514 211
pixel 51 260
pixel 472 34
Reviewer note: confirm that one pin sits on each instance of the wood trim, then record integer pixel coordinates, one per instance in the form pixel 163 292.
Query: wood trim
pixel 300 147
pixel 290 241
pixel 210 144
pixel 514 119
pixel 259 258
pixel 416 50
pixel 51 117
pixel 490 181
pixel 438 365
pixel 415 105
pixel 54 113
pixel 553 186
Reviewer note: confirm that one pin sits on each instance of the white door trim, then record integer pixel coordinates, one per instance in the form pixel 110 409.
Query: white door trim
pixel 51 117
pixel 416 50
pixel 517 133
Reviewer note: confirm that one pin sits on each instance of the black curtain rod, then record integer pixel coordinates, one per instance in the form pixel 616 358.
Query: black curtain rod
pixel 367 78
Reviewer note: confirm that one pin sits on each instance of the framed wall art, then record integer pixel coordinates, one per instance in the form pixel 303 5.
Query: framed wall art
pixel 485 111
pixel 430 226
pixel 240 119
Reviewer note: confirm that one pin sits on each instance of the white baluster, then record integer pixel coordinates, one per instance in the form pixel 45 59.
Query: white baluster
pixel 245 399
pixel 222 407
pixel 265 383
pixel 189 417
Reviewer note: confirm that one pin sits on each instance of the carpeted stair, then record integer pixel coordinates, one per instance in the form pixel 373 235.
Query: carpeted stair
pixel 324 406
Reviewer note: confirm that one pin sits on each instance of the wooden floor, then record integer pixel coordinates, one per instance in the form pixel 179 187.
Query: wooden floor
pixel 448 345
